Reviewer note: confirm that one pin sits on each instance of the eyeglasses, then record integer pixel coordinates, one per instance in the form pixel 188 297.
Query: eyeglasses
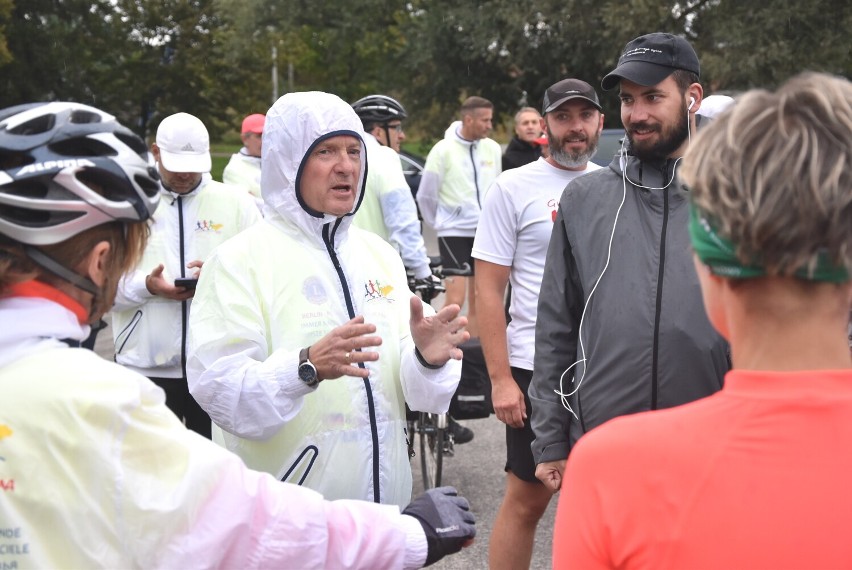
pixel 397 127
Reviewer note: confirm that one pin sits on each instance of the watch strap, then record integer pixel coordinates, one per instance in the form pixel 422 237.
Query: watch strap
pixel 423 361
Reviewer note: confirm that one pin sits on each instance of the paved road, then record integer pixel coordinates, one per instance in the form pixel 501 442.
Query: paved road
pixel 477 471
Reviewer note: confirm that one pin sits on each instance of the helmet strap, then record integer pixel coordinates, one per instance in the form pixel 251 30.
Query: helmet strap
pixel 49 264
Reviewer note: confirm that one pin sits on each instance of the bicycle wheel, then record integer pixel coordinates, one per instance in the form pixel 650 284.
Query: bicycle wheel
pixel 431 450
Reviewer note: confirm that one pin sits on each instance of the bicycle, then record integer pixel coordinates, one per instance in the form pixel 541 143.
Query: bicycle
pixel 436 441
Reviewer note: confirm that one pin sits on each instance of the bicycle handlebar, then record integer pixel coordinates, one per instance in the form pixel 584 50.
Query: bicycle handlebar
pixel 464 271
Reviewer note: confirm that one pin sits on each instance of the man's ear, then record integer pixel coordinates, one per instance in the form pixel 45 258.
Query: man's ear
pixel 696 93
pixel 97 263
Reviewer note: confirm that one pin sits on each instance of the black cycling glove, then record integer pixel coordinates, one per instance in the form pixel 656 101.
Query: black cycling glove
pixel 446 519
pixel 428 288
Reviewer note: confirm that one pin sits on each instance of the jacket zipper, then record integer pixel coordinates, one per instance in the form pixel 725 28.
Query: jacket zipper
pixel 475 177
pixel 184 305
pixel 127 331
pixel 655 357
pixel 328 238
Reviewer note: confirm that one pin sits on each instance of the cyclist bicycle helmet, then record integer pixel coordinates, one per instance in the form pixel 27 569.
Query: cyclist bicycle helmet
pixel 68 167
pixel 378 109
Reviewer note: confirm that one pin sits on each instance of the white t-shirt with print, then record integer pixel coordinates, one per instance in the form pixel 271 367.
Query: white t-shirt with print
pixel 514 230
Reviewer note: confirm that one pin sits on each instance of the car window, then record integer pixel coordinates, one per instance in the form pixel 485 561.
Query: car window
pixel 608 146
pixel 410 166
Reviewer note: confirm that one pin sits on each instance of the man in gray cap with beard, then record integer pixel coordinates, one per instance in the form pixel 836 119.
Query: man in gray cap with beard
pixel 621 326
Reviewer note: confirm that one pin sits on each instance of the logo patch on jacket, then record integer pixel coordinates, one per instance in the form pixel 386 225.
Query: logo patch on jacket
pixel 313 290
pixel 208 226
pixel 5 431
pixel 374 290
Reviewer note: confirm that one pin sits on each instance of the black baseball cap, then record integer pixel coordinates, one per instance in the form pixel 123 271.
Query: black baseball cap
pixel 649 59
pixel 566 90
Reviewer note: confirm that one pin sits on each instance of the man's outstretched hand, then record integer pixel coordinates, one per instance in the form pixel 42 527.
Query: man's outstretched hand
pixel 438 337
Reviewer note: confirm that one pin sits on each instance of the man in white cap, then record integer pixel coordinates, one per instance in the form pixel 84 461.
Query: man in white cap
pixel 152 305
pixel 243 169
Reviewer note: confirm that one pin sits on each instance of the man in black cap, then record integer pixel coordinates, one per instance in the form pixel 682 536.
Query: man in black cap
pixel 621 326
pixel 510 245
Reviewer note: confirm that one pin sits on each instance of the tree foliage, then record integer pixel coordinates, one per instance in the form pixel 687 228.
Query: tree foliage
pixel 145 59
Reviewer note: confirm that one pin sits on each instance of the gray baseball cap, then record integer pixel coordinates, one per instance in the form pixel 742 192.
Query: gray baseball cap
pixel 566 90
pixel 651 58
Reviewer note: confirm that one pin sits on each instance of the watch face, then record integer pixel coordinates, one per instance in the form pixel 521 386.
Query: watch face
pixel 307 373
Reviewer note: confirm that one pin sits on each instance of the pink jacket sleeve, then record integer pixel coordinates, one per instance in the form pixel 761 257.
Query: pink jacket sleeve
pixel 250 520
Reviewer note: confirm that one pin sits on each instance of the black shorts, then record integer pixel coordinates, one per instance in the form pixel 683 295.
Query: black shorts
pixel 455 252
pixel 519 457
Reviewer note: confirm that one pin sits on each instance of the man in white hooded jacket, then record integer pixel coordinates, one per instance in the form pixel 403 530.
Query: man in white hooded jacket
pixel 306 341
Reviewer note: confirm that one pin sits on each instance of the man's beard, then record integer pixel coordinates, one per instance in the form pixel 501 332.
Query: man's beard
pixel 669 140
pixel 571 159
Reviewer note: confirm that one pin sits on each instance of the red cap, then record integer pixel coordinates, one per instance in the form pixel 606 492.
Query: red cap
pixel 541 141
pixel 253 123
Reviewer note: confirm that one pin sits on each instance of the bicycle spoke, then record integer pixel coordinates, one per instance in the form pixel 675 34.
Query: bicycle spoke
pixel 431 451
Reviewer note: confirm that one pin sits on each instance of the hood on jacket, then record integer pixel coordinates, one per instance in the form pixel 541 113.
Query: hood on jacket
pixel 453 133
pixel 295 124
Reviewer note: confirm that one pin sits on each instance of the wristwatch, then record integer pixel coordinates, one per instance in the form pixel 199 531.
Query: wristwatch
pixel 307 370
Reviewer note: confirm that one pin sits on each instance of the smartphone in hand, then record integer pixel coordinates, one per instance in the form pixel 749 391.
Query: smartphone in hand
pixel 187 282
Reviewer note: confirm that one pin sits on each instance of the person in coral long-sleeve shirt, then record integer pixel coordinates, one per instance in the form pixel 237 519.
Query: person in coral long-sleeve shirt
pixel 756 475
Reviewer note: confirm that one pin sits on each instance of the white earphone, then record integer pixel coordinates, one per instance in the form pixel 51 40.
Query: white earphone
pixel 691 103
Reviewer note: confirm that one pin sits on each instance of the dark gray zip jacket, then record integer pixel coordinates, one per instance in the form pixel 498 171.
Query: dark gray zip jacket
pixel 648 343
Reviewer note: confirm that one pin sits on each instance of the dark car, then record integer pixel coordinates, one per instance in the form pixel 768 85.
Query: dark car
pixel 608 146
pixel 412 167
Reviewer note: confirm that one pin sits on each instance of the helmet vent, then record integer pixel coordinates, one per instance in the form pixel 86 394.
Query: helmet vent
pixel 134 142
pixel 9 160
pixel 105 183
pixel 147 184
pixel 35 126
pixel 27 189
pixel 30 218
pixel 81 117
pixel 82 147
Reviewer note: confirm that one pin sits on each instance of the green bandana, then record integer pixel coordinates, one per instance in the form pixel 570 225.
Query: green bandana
pixel 719 254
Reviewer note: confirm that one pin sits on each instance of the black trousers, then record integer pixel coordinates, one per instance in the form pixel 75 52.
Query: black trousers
pixel 184 406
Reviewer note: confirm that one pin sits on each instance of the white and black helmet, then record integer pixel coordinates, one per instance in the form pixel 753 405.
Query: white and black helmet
pixel 378 109
pixel 51 154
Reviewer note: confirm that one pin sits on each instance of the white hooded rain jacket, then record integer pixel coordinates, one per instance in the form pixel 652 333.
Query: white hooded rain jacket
pixel 281 286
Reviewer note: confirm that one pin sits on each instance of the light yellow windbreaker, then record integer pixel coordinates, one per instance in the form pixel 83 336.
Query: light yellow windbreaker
pixel 96 472
pixel 279 287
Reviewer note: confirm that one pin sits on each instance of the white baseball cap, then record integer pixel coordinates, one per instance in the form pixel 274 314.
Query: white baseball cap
pixel 184 144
